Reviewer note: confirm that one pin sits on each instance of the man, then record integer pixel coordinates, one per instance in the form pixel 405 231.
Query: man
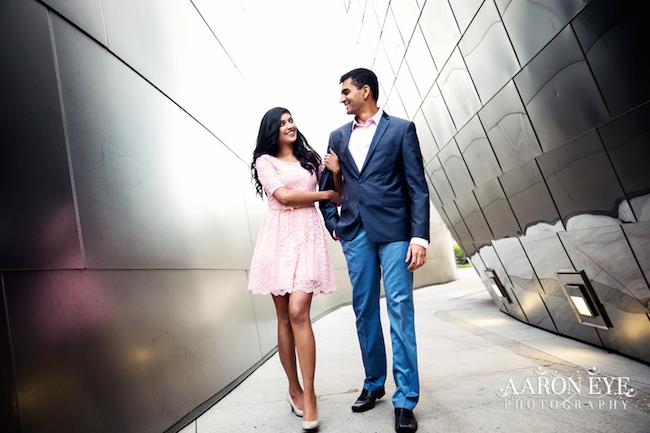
pixel 384 230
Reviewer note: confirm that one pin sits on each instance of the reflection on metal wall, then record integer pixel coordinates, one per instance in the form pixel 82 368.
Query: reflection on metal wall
pixel 128 218
pixel 537 117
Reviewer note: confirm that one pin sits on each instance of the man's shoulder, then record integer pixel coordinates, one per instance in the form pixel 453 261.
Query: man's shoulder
pixel 341 128
pixel 399 122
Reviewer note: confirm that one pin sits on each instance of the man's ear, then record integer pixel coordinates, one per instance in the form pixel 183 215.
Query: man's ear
pixel 366 91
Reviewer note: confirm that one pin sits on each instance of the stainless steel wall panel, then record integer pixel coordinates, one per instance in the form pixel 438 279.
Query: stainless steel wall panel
pixel 531 24
pixel 439 180
pixel 639 237
pixel 497 210
pixel 479 267
pixel 439 29
pixel 393 42
pixel 405 86
pixel 87 14
pixel 473 217
pixel 150 180
pixel 487 51
pixel 606 257
pixel 559 92
pixel 437 114
pixel 428 145
pixel 477 151
pixel 169 43
pixel 457 223
pixel 627 140
pixel 458 90
pixel 616 33
pixel 529 198
pixel 491 260
pixel 524 281
pixel 38 227
pixel 128 351
pixel 583 199
pixel 421 63
pixel 464 11
pixel 508 128
pixel 406 14
pixel 547 256
pixel 454 165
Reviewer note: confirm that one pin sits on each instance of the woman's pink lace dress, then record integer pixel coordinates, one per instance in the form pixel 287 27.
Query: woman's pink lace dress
pixel 291 252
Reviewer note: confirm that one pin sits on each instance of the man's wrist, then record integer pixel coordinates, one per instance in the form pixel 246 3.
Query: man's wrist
pixel 420 241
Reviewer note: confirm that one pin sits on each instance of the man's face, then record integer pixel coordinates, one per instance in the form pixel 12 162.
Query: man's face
pixel 353 98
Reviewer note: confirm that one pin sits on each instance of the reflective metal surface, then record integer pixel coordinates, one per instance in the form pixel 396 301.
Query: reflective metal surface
pixel 540 113
pixel 569 170
pixel 464 11
pixel 86 14
pixel 617 33
pixel 547 256
pixel 455 168
pixel 128 351
pixel 458 90
pixel 524 282
pixel 509 129
pixel 606 257
pixel 528 196
pixel 439 29
pixel 38 228
pixel 487 51
pixel 473 217
pixel 147 173
pixel 477 152
pixel 531 24
pixel 559 92
pixel 497 210
pixel 626 140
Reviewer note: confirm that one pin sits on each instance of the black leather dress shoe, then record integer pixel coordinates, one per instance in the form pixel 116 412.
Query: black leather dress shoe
pixel 405 421
pixel 366 400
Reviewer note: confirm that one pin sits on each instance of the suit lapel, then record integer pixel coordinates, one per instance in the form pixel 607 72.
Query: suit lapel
pixel 379 133
pixel 346 151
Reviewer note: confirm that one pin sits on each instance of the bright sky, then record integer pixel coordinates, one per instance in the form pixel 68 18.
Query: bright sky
pixel 291 54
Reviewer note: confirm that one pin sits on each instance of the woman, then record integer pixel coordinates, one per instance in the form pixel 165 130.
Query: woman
pixel 291 260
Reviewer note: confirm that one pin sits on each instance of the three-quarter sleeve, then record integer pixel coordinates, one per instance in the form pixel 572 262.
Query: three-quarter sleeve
pixel 268 175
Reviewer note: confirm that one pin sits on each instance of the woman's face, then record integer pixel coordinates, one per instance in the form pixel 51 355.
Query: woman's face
pixel 288 130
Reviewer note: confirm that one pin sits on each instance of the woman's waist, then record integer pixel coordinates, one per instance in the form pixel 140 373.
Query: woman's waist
pixel 282 208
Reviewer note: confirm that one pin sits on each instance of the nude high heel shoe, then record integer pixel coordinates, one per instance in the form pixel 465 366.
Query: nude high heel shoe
pixel 294 408
pixel 310 426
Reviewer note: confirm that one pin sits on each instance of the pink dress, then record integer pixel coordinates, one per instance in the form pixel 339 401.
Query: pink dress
pixel 291 252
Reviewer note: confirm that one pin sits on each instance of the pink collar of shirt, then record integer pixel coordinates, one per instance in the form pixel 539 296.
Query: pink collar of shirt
pixel 374 120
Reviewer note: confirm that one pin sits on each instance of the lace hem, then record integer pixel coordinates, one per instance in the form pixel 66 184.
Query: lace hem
pixel 307 286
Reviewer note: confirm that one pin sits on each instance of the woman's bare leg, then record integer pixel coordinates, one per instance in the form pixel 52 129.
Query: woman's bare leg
pixel 299 305
pixel 287 348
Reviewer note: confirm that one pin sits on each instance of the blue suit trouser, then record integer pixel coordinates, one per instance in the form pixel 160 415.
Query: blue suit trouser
pixel 365 258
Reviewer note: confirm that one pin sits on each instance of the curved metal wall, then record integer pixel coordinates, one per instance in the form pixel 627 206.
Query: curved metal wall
pixel 128 219
pixel 539 116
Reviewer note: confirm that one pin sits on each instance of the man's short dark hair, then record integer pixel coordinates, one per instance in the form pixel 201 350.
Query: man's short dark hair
pixel 361 77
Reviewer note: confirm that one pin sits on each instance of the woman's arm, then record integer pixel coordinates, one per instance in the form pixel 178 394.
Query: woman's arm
pixel 290 197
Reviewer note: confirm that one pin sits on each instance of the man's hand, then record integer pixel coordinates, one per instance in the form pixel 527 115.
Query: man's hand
pixel 416 255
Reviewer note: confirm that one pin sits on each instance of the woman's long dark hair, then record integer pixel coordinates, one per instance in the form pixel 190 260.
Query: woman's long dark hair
pixel 267 144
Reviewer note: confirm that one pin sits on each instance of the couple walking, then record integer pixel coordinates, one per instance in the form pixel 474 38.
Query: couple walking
pixel 373 168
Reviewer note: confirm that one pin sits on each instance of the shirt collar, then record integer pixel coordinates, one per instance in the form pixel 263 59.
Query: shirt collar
pixel 373 120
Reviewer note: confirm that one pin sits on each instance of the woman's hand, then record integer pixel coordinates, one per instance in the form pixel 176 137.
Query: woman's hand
pixel 331 161
pixel 333 197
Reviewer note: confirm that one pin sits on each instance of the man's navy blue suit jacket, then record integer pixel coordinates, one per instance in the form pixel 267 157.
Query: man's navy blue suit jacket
pixel 388 196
